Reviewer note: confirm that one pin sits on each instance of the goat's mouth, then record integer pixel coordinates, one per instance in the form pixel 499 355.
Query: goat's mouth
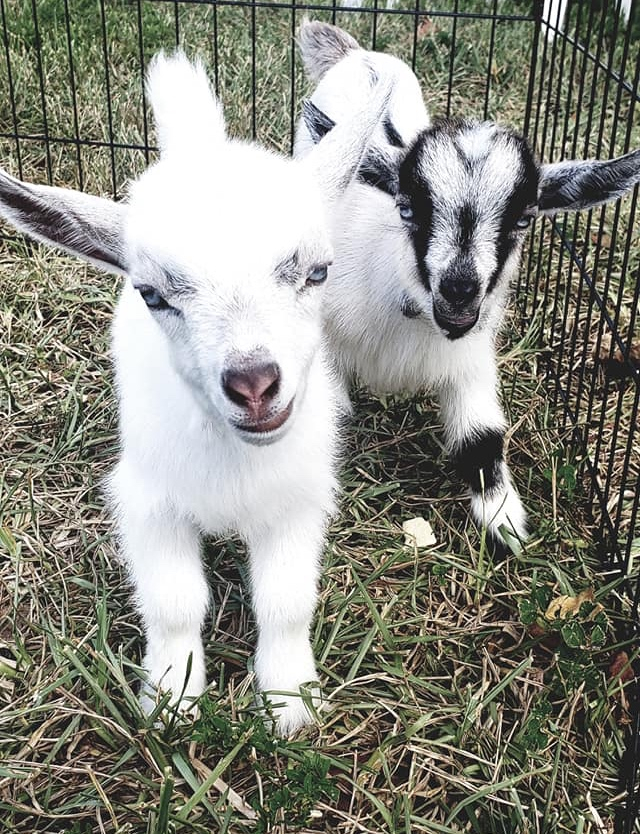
pixel 265 431
pixel 456 326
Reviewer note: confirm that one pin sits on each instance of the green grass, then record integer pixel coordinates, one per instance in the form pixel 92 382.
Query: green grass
pixel 452 704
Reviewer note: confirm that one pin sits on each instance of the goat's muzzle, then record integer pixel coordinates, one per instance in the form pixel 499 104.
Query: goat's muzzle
pixel 254 389
pixel 455 325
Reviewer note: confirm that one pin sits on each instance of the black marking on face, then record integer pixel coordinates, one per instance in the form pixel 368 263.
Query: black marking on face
pixel 392 135
pixel 481 453
pixel 409 308
pixel 415 192
pixel 318 123
pixel 521 200
pixel 378 170
pixel 467 222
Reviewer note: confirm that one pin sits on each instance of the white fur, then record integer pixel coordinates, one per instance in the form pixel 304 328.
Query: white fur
pixel 212 228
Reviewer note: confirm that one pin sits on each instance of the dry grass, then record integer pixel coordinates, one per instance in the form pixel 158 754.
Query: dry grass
pixel 453 705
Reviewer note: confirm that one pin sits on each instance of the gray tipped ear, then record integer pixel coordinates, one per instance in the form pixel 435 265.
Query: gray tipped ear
pixel 335 160
pixel 322 46
pixel 83 225
pixel 574 185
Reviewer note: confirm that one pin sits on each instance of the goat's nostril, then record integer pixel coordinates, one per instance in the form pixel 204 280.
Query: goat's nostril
pixel 252 386
pixel 458 290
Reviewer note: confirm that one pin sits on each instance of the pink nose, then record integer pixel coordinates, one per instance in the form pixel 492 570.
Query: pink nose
pixel 253 388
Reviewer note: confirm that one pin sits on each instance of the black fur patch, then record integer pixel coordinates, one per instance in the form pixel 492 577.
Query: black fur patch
pixel 415 191
pixel 378 170
pixel 467 222
pixel 481 452
pixel 523 197
pixel 318 123
pixel 393 137
pixel 409 308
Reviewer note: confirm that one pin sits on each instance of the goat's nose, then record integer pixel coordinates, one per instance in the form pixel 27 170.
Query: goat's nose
pixel 458 289
pixel 252 387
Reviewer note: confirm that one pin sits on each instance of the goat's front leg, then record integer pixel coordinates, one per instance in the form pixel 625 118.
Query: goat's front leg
pixel 163 556
pixel 474 429
pixel 285 565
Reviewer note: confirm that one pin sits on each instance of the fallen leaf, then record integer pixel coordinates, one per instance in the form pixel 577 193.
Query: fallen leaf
pixel 418 533
pixel 620 666
pixel 566 606
pixel 426 27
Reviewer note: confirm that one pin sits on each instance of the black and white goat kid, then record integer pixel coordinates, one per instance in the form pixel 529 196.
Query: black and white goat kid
pixel 426 244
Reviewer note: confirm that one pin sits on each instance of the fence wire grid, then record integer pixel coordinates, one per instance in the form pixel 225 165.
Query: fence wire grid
pixel 574 93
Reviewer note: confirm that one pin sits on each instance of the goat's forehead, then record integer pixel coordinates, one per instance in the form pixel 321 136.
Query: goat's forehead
pixel 242 209
pixel 478 163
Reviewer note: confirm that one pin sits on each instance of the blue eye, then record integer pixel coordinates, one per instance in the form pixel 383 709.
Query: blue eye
pixel 152 298
pixel 524 222
pixel 405 211
pixel 317 275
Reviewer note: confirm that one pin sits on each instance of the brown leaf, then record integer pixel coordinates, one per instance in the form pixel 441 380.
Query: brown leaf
pixel 565 606
pixel 427 27
pixel 620 667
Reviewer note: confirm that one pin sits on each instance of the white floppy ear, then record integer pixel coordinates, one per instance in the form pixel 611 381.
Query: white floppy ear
pixel 186 111
pixel 336 158
pixel 575 185
pixel 90 227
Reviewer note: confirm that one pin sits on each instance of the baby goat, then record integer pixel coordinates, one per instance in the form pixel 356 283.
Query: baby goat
pixel 227 408
pixel 426 244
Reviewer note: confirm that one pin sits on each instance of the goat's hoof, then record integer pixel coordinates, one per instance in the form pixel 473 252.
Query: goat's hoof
pixel 291 712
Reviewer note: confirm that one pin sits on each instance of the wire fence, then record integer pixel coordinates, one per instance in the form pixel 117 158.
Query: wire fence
pixel 574 91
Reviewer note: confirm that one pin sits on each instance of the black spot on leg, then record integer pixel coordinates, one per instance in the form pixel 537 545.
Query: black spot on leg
pixel 482 453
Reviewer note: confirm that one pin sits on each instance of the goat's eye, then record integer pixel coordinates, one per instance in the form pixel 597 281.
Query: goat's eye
pixel 152 298
pixel 524 222
pixel 317 275
pixel 405 211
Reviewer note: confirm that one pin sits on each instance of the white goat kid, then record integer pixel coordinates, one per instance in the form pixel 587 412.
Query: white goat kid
pixel 426 244
pixel 227 408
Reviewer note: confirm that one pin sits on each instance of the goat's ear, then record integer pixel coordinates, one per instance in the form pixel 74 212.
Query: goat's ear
pixel 338 156
pixel 322 46
pixel 376 168
pixel 574 185
pixel 317 123
pixel 83 225
pixel 185 109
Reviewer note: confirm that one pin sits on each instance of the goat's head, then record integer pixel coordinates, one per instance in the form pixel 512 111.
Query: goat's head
pixel 227 245
pixel 465 192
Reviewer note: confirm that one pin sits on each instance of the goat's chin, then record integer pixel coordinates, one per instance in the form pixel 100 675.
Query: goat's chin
pixel 458 326
pixel 268 431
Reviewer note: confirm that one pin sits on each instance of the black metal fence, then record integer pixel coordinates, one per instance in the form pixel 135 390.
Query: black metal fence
pixel 572 88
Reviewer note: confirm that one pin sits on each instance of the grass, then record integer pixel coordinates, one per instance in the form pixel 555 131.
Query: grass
pixel 453 703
